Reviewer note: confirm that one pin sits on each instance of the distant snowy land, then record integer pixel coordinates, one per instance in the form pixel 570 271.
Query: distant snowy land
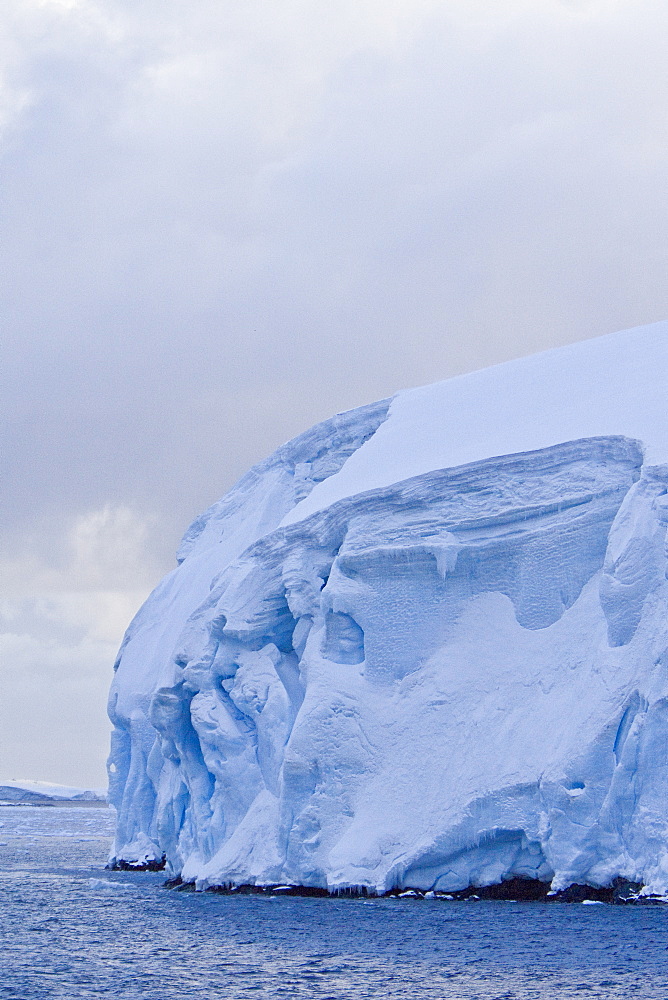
pixel 17 791
pixel 423 645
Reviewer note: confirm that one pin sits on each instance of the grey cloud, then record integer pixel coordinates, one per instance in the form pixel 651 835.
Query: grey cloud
pixel 223 222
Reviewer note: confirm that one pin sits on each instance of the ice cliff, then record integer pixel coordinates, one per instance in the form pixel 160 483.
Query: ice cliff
pixel 424 644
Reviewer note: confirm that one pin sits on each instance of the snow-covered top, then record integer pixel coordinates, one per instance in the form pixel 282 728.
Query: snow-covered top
pixel 611 385
pixel 53 791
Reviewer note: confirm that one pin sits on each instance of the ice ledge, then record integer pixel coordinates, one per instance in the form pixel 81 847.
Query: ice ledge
pixel 606 386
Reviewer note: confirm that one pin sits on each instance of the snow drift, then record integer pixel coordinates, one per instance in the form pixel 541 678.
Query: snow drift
pixel 424 644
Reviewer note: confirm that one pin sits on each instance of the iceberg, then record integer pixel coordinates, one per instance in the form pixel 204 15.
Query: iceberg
pixel 423 646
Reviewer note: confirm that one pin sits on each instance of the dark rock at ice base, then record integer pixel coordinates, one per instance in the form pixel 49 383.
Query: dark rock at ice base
pixel 519 890
pixel 304 891
pixel 143 865
pixel 422 646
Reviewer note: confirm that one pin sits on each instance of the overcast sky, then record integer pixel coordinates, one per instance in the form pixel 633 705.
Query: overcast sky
pixel 224 220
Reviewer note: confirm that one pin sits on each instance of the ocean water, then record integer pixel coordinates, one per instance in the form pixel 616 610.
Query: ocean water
pixel 70 929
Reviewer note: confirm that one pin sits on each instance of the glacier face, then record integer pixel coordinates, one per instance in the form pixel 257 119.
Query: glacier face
pixel 424 644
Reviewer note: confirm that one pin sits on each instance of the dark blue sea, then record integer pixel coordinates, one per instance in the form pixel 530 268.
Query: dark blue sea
pixel 70 929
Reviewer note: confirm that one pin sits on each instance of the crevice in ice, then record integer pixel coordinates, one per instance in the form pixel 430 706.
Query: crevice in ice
pixel 635 562
pixel 628 717
pixel 499 854
pixel 344 639
pixel 171 715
